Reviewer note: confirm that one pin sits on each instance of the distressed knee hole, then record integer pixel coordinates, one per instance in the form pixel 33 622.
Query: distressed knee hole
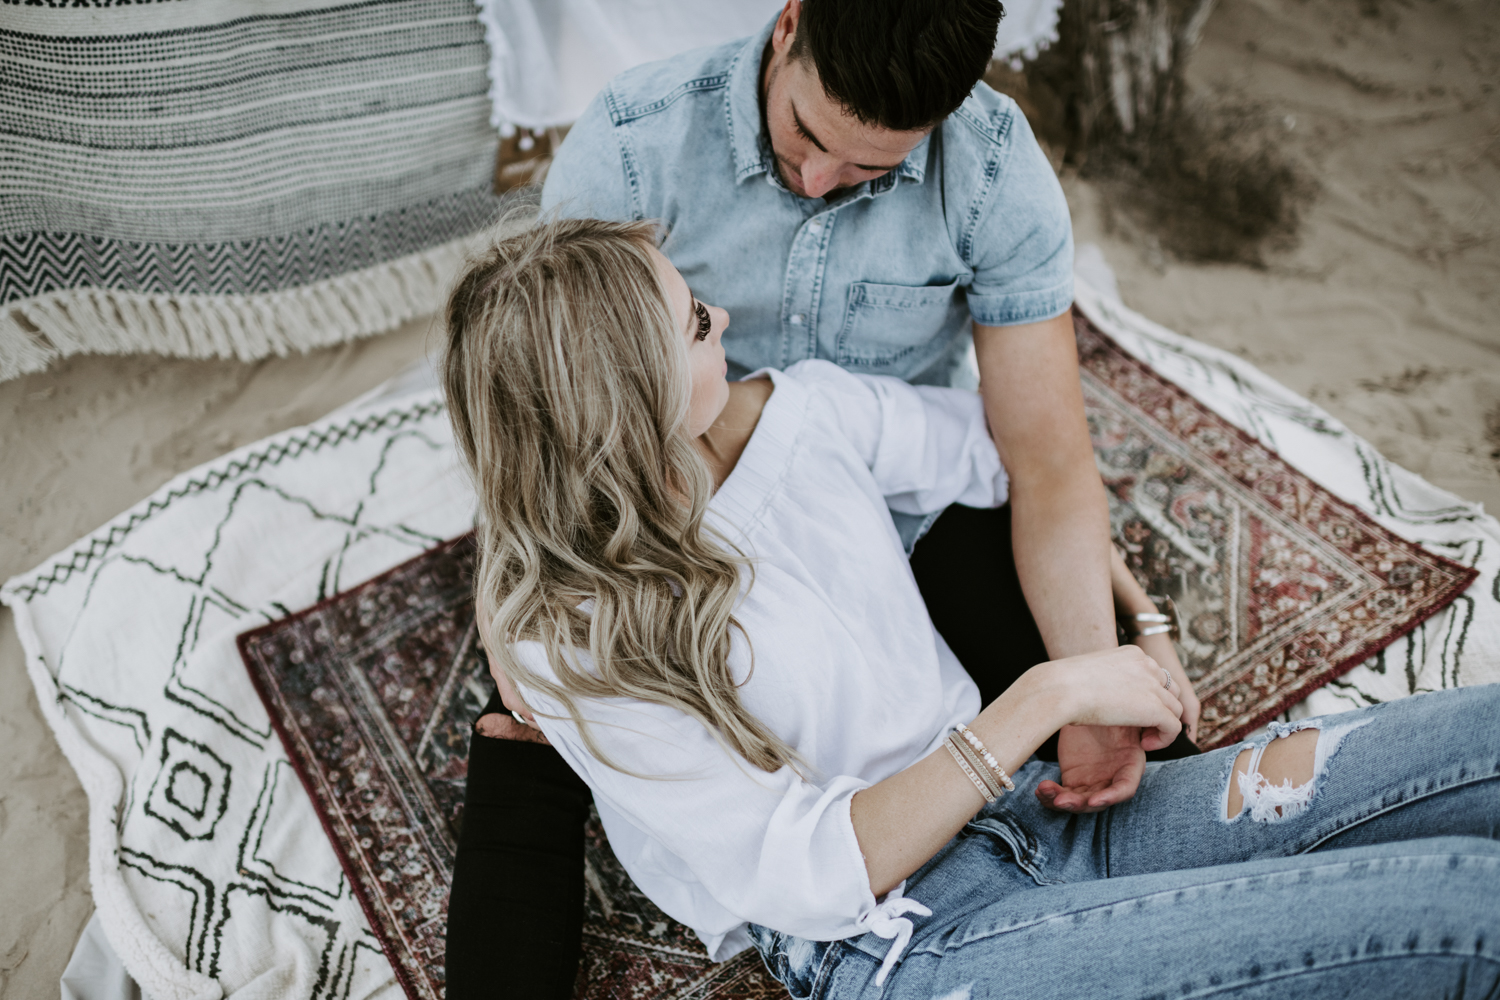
pixel 964 992
pixel 1274 781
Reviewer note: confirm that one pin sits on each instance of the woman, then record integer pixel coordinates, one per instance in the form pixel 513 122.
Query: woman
pixel 695 591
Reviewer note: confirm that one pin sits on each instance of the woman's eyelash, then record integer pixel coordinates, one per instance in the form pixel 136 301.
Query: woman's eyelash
pixel 705 325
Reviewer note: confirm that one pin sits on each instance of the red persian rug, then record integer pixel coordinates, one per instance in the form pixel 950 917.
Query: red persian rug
pixel 1281 587
pixel 373 693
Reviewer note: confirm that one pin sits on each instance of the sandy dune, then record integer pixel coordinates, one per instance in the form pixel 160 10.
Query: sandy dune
pixel 1383 314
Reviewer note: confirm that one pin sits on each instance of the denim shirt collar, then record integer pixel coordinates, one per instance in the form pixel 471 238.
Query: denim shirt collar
pixel 751 149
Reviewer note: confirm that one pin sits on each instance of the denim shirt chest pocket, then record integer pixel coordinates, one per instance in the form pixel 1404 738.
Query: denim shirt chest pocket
pixel 898 329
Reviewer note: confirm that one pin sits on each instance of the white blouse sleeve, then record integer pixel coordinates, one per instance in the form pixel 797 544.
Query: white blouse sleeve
pixel 773 849
pixel 927 446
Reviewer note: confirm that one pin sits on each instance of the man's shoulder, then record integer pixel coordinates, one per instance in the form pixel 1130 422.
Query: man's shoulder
pixel 623 153
pixel 988 118
pixel 651 88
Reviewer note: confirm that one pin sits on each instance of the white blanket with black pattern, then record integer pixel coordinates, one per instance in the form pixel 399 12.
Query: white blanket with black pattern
pixel 210 871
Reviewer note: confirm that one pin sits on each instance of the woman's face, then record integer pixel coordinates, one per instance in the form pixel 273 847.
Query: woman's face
pixel 701 326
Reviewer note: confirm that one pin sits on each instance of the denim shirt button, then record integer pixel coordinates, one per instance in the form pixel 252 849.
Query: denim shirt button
pixel 797 319
pixel 815 226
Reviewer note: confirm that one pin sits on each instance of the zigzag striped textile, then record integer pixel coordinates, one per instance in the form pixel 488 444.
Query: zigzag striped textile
pixel 217 178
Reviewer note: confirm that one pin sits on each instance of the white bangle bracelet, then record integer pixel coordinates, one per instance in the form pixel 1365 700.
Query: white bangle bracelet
pixel 989 758
pixel 977 764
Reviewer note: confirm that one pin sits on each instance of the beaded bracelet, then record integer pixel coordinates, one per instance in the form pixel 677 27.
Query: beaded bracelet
pixel 989 758
pixel 978 765
pixel 958 758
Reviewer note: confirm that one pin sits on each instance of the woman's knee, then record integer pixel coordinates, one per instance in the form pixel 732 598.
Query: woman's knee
pixel 1276 776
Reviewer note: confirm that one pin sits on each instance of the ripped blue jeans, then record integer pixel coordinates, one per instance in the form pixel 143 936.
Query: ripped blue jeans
pixel 1327 890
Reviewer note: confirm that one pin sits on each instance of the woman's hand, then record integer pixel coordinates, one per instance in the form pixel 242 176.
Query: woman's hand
pixel 513 702
pixel 498 726
pixel 1159 648
pixel 1112 688
pixel 904 820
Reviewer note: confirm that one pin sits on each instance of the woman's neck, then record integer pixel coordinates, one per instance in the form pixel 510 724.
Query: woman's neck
pixel 724 442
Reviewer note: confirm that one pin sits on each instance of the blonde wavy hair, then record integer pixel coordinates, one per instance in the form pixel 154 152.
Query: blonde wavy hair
pixel 567 386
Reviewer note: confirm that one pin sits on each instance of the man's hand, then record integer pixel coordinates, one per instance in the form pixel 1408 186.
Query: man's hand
pixel 506 727
pixel 1101 765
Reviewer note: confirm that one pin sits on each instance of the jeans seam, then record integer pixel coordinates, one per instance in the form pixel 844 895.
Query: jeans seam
pixel 1029 854
pixel 1490 863
pixel 1342 963
pixel 1323 838
pixel 825 970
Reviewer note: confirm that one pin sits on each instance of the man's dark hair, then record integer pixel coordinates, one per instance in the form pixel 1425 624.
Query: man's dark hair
pixel 898 64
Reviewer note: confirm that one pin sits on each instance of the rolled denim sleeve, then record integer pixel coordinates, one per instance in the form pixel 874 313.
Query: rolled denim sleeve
pixel 589 178
pixel 1022 242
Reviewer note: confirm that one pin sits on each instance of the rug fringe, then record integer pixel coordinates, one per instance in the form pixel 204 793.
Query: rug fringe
pixel 21 351
pixel 37 331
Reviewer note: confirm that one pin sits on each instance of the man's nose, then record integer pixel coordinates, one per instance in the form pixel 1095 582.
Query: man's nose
pixel 820 174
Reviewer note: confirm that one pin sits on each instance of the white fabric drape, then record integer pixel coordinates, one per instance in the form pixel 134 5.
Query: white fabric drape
pixel 548 58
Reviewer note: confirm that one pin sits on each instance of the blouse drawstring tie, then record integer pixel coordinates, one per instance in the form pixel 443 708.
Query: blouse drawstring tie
pixel 886 921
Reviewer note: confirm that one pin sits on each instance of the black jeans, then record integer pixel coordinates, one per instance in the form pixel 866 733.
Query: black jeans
pixel 515 915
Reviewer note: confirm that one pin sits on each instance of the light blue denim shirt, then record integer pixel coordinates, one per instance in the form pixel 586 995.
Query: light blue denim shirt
pixel 882 280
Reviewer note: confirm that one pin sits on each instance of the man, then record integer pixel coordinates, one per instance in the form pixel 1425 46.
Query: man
pixel 846 188
pixel 842 186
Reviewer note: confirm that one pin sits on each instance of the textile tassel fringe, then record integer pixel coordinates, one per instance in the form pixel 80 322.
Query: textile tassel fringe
pixel 37 331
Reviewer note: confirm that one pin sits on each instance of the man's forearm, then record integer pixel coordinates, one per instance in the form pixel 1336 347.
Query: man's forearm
pixel 1059 516
pixel 1060 537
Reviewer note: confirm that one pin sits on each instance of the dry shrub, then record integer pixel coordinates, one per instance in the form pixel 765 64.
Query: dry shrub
pixel 1213 184
pixel 1210 182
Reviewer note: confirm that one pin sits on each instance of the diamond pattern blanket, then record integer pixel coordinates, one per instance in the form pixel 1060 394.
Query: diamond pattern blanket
pixel 220 179
pixel 1300 558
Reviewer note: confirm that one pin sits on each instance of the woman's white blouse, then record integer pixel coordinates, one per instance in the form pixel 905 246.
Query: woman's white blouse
pixel 848 668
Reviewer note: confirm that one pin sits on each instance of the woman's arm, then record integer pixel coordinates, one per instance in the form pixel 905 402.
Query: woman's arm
pixel 904 820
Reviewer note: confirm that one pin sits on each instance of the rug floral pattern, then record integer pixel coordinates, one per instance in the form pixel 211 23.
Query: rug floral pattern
pixel 372 692
pixel 1281 586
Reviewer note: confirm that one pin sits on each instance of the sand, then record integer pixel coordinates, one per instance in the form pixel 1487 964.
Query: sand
pixel 1386 312
pixel 1383 314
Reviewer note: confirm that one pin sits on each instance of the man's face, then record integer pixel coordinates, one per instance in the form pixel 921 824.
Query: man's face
pixel 819 148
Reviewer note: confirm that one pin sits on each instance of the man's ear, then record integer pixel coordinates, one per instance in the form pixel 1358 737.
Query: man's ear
pixel 786 27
